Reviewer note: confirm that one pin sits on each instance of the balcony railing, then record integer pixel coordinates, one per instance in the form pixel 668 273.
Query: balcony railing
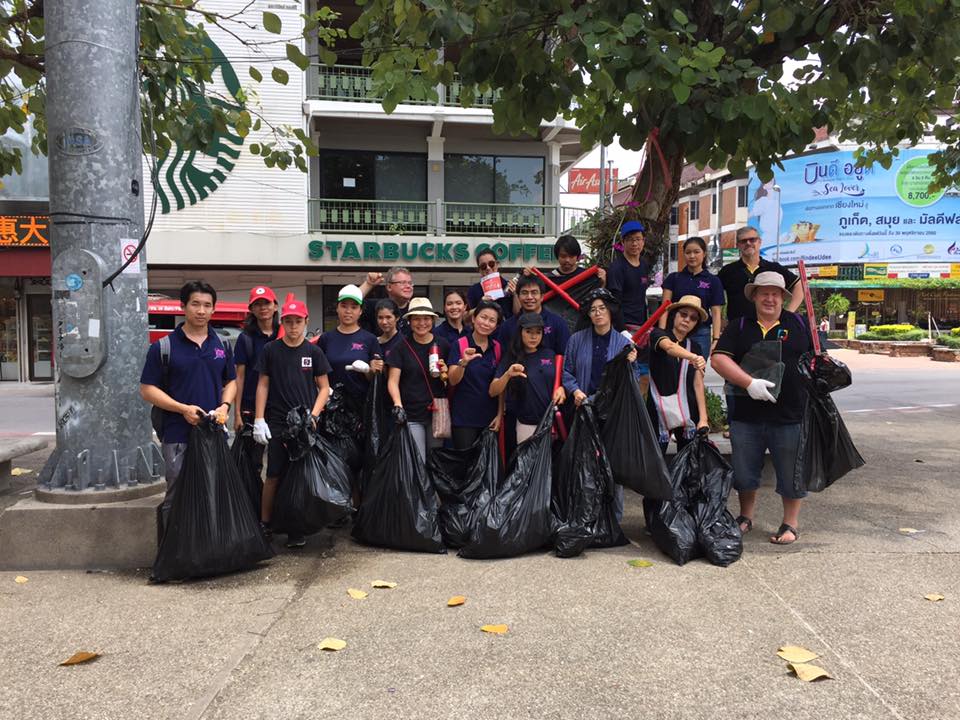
pixel 417 217
pixel 352 83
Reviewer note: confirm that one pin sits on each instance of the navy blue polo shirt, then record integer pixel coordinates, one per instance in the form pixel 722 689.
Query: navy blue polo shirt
pixel 196 376
pixel 341 350
pixel 705 285
pixel 450 333
pixel 241 356
pixel 470 402
pixel 475 295
pixel 556 332
pixel 629 284
pixel 529 399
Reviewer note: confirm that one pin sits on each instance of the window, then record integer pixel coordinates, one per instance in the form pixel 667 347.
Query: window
pixel 674 215
pixel 502 180
pixel 358 175
pixel 741 196
pixel 674 251
pixel 695 208
pixel 713 203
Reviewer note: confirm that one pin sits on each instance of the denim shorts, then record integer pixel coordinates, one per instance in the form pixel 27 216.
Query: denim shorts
pixel 749 441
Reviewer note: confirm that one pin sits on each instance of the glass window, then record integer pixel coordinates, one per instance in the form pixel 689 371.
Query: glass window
pixel 400 177
pixel 357 175
pixel 346 175
pixel 468 178
pixel 40 338
pixel 519 181
pixel 9 349
pixel 741 196
pixel 674 215
pixel 713 204
pixel 695 209
pixel 504 180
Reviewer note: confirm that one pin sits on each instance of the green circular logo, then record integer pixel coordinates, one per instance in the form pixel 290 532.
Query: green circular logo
pixel 913 180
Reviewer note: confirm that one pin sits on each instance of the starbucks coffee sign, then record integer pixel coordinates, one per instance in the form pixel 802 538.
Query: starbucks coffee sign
pixel 426 252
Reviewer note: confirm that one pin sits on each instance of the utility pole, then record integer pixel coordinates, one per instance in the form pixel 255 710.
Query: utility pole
pixel 104 441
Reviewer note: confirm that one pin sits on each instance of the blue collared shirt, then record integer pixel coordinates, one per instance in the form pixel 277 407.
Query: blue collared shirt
pixel 705 285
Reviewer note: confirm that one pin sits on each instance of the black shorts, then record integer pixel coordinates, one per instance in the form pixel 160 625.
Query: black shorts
pixel 277 459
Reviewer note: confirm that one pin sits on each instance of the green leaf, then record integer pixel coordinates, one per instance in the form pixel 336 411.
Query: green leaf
pixel 295 56
pixel 639 563
pixel 271 23
pixel 680 17
pixel 280 75
pixel 327 56
pixel 254 148
pixel 256 74
pixel 779 19
pixel 681 92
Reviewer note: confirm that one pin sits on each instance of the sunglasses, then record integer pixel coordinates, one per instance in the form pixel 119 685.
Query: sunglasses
pixel 492 265
pixel 747 240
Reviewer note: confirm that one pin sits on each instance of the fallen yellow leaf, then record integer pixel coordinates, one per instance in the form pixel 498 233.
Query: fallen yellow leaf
pixel 495 629
pixel 796 654
pixel 808 672
pixel 332 644
pixel 80 657
pixel 356 594
pixel 20 471
pixel 639 563
pixel 456 600
pixel 20 580
pixel 909 531
pixel 933 597
pixel 383 584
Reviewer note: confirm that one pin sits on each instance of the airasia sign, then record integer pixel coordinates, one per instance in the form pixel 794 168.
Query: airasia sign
pixel 587 180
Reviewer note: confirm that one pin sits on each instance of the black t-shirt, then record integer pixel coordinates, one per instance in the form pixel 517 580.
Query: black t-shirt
pixel 368 317
pixel 529 399
pixel 735 277
pixel 629 284
pixel 341 350
pixel 794 336
pixel 665 372
pixel 415 394
pixel 292 372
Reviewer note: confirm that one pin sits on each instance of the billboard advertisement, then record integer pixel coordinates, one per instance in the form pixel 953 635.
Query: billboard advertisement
pixel 827 210
pixel 587 180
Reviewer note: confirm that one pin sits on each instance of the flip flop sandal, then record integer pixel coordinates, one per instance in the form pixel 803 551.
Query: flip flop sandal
pixel 744 520
pixel 784 528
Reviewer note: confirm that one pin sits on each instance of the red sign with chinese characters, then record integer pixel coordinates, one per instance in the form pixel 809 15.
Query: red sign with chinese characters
pixel 24 231
pixel 587 180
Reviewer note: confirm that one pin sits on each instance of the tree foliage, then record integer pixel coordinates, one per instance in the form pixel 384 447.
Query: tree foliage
pixel 178 65
pixel 837 304
pixel 714 82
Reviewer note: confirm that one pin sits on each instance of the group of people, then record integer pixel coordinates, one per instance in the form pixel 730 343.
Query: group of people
pixel 499 359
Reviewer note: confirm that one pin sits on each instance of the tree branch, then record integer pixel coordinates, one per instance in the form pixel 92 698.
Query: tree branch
pixel 34 62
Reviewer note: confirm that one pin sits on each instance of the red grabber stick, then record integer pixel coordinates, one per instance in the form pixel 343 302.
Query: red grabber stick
pixel 556 288
pixel 574 281
pixel 808 299
pixel 558 418
pixel 651 321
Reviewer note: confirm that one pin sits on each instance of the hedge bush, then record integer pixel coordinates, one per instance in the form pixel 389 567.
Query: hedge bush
pixel 955 332
pixel 716 414
pixel 908 335
pixel 950 341
pixel 891 330
pixel 837 334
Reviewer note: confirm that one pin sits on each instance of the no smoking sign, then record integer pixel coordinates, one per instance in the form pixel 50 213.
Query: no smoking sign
pixel 128 247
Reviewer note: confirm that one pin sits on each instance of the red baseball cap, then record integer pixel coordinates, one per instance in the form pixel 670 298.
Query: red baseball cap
pixel 296 308
pixel 261 292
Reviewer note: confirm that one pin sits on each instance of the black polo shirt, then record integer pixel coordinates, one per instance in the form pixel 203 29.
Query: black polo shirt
pixel 734 278
pixel 792 332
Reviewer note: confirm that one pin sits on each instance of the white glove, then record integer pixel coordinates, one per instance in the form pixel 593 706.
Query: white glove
pixel 359 366
pixel 757 389
pixel 628 335
pixel 261 433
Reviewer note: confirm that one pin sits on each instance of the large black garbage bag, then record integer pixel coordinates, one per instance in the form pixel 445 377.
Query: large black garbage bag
pixel 826 451
pixel 460 477
pixel 583 491
pixel 377 425
pixel 315 490
pixel 210 528
pixel 579 292
pixel 243 451
pixel 628 438
pixel 516 517
pixel 399 506
pixel 717 530
pixel 342 424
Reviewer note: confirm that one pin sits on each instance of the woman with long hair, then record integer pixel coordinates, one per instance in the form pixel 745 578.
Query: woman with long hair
pixel 694 279
pixel 454 325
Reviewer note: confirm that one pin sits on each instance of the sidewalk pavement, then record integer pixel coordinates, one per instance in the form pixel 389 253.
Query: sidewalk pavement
pixel 590 637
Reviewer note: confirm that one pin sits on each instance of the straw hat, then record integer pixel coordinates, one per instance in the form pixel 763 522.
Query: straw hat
pixel 689 301
pixel 765 279
pixel 420 306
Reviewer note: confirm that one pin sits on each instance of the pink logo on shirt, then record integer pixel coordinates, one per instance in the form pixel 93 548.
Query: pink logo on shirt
pixel 703 285
pixel 356 346
pixel 545 361
pixel 219 354
pixel 547 330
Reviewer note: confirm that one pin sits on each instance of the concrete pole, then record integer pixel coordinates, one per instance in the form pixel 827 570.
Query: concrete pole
pixel 104 440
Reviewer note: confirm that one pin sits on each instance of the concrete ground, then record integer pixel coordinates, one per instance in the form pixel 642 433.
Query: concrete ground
pixel 590 637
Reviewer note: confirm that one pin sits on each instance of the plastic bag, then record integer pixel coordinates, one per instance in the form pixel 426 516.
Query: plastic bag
pixel 579 292
pixel 210 528
pixel 242 450
pixel 399 506
pixel 583 499
pixel 762 361
pixel 516 517
pixel 342 424
pixel 629 441
pixel 696 521
pixel 824 373
pixel 826 451
pixel 377 425
pixel 315 490
pixel 460 477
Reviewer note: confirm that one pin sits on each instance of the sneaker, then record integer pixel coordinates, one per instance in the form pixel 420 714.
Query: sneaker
pixel 296 541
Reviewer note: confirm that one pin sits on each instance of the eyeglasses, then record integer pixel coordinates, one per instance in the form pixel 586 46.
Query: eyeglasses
pixel 746 240
pixel 492 265
pixel 598 310
pixel 529 293
pixel 405 283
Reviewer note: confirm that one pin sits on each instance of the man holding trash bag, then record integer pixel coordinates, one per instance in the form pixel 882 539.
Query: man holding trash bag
pixel 293 373
pixel 759 359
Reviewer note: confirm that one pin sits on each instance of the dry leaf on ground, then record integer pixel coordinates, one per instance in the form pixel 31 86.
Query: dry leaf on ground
pixel 80 657
pixel 383 584
pixel 639 563
pixel 356 594
pixel 908 531
pixel 20 471
pixel 332 644
pixel 808 672
pixel 20 580
pixel 495 629
pixel 456 600
pixel 796 654
pixel 933 597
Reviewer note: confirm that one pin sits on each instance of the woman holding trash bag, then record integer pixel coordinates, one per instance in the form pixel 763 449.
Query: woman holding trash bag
pixel 454 325
pixel 353 353
pixel 695 279
pixel 767 416
pixel 417 374
pixel 293 373
pixel 387 316
pixel 473 362
pixel 527 375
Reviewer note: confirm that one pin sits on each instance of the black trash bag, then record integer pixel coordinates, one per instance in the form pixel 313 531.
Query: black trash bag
pixel 824 373
pixel 628 438
pixel 315 490
pixel 243 451
pixel 342 423
pixel 377 424
pixel 516 517
pixel 210 528
pixel 559 306
pixel 826 451
pixel 583 491
pixel 460 477
pixel 399 506
pixel 717 530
